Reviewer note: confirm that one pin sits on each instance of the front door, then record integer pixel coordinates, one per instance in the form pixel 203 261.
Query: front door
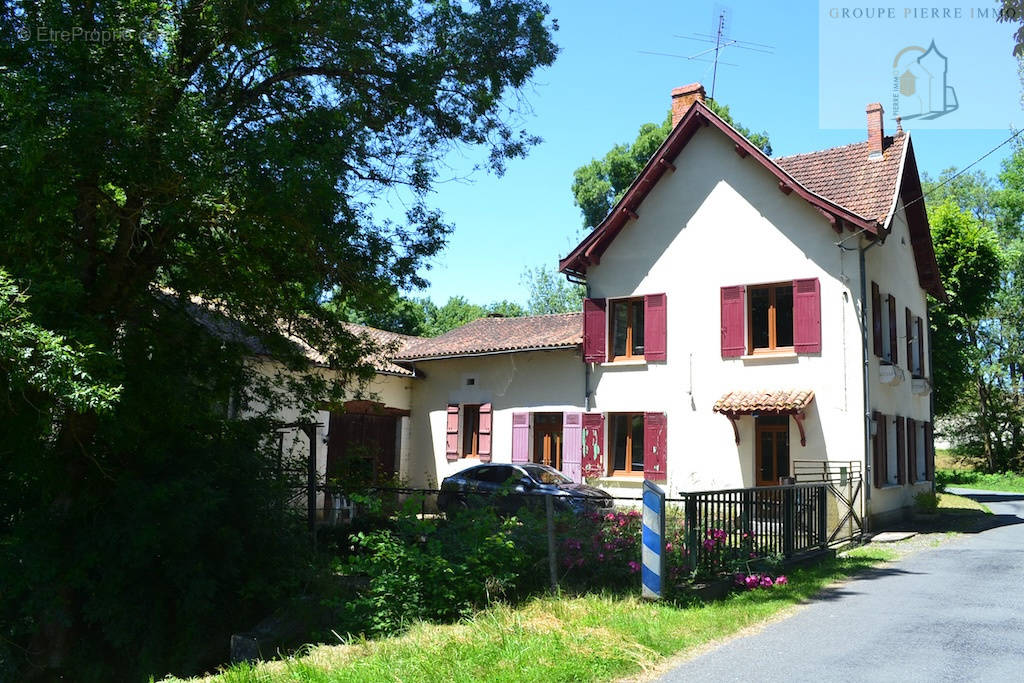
pixel 772 446
pixel 547 439
pixel 361 447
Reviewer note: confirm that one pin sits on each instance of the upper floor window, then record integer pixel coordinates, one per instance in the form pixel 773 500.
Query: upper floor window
pixel 770 314
pixel 627 329
pixel 883 326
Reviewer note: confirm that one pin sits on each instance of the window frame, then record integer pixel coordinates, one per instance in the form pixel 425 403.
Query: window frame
pixel 631 325
pixel 473 435
pixel 773 333
pixel 612 434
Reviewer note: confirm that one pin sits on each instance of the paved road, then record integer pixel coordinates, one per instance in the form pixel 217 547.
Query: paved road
pixel 952 613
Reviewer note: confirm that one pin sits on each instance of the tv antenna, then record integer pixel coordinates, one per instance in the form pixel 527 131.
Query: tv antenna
pixel 719 39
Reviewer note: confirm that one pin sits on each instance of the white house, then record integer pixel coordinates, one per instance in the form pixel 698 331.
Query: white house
pixel 743 314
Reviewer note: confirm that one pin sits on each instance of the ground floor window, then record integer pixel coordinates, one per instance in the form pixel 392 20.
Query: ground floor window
pixel 627 437
pixel 470 431
pixel 547 439
pixel 772 449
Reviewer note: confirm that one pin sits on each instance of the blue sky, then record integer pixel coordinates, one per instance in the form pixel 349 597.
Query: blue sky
pixel 602 88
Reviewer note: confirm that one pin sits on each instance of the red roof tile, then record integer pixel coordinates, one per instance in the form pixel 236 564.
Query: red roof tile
pixel 779 402
pixel 490 335
pixel 849 178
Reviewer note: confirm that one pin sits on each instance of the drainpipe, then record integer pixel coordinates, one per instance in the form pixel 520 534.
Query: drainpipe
pixel 867 367
pixel 586 366
pixel 931 393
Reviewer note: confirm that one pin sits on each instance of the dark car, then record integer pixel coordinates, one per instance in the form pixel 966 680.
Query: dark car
pixel 509 487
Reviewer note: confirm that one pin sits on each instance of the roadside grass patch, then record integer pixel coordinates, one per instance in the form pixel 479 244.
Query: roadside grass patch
pixel 589 637
pixel 949 502
pixel 1007 481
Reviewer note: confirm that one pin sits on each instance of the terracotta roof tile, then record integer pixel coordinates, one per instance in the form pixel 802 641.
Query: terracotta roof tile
pixel 846 176
pixel 489 335
pixel 784 401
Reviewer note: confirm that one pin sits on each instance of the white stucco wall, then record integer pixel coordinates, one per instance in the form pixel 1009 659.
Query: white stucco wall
pixel 721 220
pixel 534 381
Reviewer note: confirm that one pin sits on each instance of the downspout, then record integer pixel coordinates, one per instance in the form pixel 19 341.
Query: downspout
pixel 931 394
pixel 586 365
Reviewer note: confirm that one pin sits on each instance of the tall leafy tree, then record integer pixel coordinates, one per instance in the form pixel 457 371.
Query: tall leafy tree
pixel 152 152
pixel 597 185
pixel 550 292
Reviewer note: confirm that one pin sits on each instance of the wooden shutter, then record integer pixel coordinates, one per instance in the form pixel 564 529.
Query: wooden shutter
pixel 593 445
pixel 920 347
pixel 594 329
pixel 520 437
pixel 912 473
pixel 894 354
pixel 879 462
pixel 572 446
pixel 876 319
pixel 655 327
pixel 484 444
pixel 452 437
pixel 901 454
pixel 807 316
pixel 929 452
pixel 655 456
pixel 734 341
pixel 910 341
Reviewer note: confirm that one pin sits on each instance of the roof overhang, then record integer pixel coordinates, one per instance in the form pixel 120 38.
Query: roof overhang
pixel 793 402
pixel 588 252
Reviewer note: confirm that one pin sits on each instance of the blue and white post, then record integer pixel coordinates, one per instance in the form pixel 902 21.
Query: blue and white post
pixel 652 545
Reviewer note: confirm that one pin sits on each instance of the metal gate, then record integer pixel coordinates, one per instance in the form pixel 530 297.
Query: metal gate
pixel 845 501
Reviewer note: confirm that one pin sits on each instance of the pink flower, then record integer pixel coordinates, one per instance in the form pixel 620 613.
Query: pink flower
pixel 610 517
pixel 751 581
pixel 634 566
pixel 668 546
pixel 766 581
pixel 709 544
pixel 741 579
pixel 720 534
pixel 781 581
pixel 623 522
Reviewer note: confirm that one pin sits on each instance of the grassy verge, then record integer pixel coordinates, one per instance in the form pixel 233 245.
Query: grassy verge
pixel 586 638
pixel 1007 481
pixel 951 503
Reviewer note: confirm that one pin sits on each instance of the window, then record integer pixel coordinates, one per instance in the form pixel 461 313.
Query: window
pixel 770 317
pixel 627 329
pixel 883 326
pixel 470 431
pixel 547 439
pixel 627 437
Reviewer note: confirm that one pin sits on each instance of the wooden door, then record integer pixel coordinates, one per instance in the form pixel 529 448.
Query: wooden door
pixel 772 450
pixel 547 439
pixel 361 446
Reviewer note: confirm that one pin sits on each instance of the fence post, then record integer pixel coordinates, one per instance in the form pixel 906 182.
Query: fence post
pixel 746 511
pixel 823 515
pixel 552 561
pixel 652 542
pixel 690 525
pixel 788 518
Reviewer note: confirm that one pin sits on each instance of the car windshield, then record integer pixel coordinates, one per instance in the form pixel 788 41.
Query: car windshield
pixel 546 475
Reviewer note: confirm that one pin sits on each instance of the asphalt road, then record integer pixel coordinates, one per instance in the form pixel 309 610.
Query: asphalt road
pixel 951 613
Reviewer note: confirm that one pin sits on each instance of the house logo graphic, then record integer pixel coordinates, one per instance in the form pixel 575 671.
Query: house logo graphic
pixel 919 84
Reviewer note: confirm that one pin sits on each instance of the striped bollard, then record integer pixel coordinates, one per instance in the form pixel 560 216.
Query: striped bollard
pixel 653 542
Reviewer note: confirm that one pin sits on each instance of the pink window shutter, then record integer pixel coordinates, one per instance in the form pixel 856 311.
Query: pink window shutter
pixel 452 437
pixel 572 446
pixel 484 445
pixel 734 343
pixel 655 327
pixel 520 437
pixel 655 457
pixel 594 326
pixel 807 316
pixel 593 445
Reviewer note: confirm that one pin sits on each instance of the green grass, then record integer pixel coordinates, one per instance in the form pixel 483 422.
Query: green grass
pixel 952 503
pixel 585 638
pixel 1007 481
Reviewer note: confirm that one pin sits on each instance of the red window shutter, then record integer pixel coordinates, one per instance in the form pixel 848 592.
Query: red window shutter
pixel 912 450
pixel 593 445
pixel 484 445
pixel 594 330
pixel 452 438
pixel 572 446
pixel 520 437
pixel 929 452
pixel 655 327
pixel 876 319
pixel 655 456
pixel 901 461
pixel 807 316
pixel 878 463
pixel 893 349
pixel 909 323
pixel 734 343
pixel 920 347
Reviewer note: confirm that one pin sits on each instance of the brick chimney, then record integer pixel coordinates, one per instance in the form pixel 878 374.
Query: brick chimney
pixel 683 97
pixel 875 131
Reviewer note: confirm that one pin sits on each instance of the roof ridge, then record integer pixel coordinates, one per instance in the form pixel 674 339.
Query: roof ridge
pixel 891 138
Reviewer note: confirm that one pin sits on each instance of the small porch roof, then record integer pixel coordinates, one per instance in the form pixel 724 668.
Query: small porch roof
pixel 775 402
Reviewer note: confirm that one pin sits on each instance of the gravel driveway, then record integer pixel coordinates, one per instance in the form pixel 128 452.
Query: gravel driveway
pixel 951 613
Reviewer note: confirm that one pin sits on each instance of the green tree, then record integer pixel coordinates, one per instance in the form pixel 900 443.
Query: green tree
pixel 393 313
pixel 600 183
pixel 235 152
pixel 550 292
pixel 457 311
